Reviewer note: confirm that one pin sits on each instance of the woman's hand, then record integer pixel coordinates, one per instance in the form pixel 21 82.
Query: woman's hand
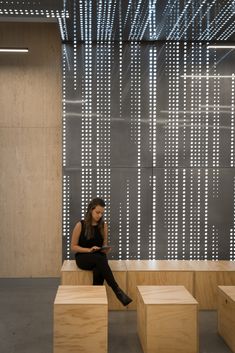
pixel 95 248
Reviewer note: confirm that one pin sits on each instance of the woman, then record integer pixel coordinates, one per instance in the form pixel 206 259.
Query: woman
pixel 88 237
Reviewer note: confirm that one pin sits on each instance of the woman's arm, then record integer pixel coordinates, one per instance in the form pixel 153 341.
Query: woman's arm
pixel 75 238
pixel 105 242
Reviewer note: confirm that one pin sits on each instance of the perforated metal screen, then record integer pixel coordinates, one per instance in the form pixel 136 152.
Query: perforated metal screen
pixel 150 128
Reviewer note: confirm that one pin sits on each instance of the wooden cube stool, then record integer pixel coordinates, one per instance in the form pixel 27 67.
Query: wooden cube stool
pixel 226 314
pixel 72 275
pixel 167 319
pixel 80 319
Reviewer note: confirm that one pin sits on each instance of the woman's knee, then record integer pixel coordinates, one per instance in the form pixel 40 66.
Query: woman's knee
pixel 100 259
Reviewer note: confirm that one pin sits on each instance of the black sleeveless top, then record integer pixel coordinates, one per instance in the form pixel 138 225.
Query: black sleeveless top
pixel 96 240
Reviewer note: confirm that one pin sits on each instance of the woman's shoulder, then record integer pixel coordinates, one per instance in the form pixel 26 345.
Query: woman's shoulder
pixel 79 224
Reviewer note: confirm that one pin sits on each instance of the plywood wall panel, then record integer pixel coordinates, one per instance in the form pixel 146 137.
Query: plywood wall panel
pixel 30 152
pixel 31 82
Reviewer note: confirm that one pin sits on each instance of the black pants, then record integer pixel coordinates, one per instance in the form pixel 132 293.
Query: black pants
pixel 98 263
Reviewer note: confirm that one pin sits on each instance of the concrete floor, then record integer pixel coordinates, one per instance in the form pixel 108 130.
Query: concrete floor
pixel 26 321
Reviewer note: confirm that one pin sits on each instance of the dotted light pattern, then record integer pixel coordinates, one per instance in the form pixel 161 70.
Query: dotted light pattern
pixel 120 232
pixel 66 214
pixel 220 22
pixel 186 190
pixel 153 142
pixel 87 126
pixel 153 237
pixel 206 216
pixel 171 190
pixel 199 151
pixel 151 20
pixel 75 45
pixel 215 243
pixel 136 125
pixel 193 109
pixel 128 219
pixel 103 124
pixel 232 158
pixel 206 147
pixel 136 22
pixel 184 98
pixel 184 215
pixel 153 103
pixel 196 233
pixel 120 61
pixel 216 141
pixel 30 8
pixel 201 20
pixel 64 106
pixel 205 153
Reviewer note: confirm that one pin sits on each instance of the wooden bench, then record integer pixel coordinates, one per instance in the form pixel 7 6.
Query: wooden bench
pixel 72 275
pixel 157 272
pixel 208 275
pixel 167 319
pixel 201 278
pixel 226 314
pixel 80 319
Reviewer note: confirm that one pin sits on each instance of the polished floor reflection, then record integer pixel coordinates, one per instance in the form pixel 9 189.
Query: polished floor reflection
pixel 26 321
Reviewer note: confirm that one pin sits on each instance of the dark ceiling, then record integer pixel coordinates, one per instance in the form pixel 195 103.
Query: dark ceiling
pixel 146 20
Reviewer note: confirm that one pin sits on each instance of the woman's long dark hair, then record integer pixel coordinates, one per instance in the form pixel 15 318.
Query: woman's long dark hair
pixel 88 218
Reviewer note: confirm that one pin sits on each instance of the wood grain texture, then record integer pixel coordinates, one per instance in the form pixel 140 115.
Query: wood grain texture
pixel 141 320
pixel 165 295
pixel 72 275
pixel 212 266
pixel 228 291
pixel 158 265
pixel 167 327
pixel 226 314
pixel 206 283
pixel 30 151
pixel 80 319
pixel 137 278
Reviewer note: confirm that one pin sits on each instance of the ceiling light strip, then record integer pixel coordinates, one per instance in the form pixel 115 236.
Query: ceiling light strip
pixel 206 76
pixel 14 50
pixel 220 46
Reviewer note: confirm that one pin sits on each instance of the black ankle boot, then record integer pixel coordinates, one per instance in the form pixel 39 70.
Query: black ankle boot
pixel 124 299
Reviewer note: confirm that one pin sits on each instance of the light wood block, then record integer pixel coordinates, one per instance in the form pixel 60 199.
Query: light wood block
pixel 157 272
pixel 167 319
pixel 208 276
pixel 72 275
pixel 80 319
pixel 226 314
